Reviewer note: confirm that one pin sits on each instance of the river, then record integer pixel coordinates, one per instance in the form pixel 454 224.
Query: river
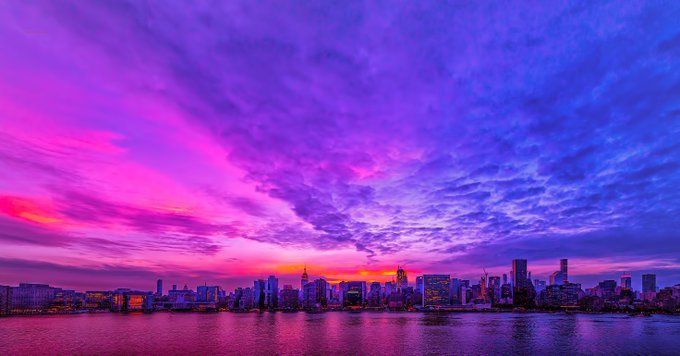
pixel 340 333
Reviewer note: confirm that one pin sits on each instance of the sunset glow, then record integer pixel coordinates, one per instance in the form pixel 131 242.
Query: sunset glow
pixel 149 140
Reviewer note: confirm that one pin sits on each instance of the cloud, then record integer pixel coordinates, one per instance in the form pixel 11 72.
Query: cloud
pixel 388 129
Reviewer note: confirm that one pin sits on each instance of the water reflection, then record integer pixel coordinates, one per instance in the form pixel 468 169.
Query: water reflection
pixel 339 333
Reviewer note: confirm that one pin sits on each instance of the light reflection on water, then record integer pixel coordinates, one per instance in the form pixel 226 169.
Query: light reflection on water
pixel 340 333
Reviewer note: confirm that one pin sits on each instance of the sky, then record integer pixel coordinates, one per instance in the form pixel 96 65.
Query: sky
pixel 220 142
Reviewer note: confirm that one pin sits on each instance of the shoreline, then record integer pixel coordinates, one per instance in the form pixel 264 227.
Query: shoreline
pixel 633 313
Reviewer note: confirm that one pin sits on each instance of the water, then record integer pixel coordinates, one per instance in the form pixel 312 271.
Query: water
pixel 339 333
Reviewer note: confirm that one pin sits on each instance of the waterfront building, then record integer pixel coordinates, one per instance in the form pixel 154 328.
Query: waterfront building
pixel 483 288
pixel 315 294
pixel 259 287
pixel 304 279
pixel 419 284
pixel 476 290
pixel 124 299
pixel 505 278
pixel 182 298
pixel 353 296
pixel 67 299
pixel 374 299
pixel 506 293
pixel 208 294
pixel 98 299
pixel 465 294
pixel 539 285
pixel 555 278
pixel 626 281
pixel 272 293
pixel 5 300
pixel 289 298
pixel 246 299
pixel 455 291
pixel 30 298
pixel 564 270
pixel 648 286
pixel 235 299
pixel 437 289
pixel 523 290
pixel 159 287
pixel 494 289
pixel 402 278
pixel 606 289
pixel 519 273
pixel 561 295
pixel 665 300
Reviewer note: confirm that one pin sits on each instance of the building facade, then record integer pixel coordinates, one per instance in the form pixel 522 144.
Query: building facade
pixel 436 289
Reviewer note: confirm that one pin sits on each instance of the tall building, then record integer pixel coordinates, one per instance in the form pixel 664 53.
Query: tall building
pixel 563 271
pixel 483 292
pixel 555 278
pixel 374 295
pixel 648 287
pixel 272 293
pixel 649 282
pixel 494 288
pixel 304 279
pixel 455 291
pixel 436 289
pixel 207 294
pixel 246 300
pixel 607 289
pixel 626 281
pixel 259 287
pixel 289 298
pixel 505 278
pixel 402 279
pixel 419 284
pixel 523 291
pixel 354 294
pixel 159 287
pixel 519 272
pixel 5 300
pixel 315 294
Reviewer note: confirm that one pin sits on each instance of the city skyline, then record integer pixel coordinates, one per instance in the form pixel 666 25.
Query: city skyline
pixel 431 291
pixel 298 281
pixel 225 143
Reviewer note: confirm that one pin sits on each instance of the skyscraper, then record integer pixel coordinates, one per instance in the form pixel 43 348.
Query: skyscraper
pixel 419 284
pixel 272 293
pixel 304 279
pixel 437 289
pixel 289 298
pixel 626 281
pixel 555 278
pixel 563 271
pixel 159 287
pixel 402 279
pixel 648 286
pixel 354 295
pixel 259 287
pixel 519 272
pixel 649 282
pixel 207 294
pixel 523 290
